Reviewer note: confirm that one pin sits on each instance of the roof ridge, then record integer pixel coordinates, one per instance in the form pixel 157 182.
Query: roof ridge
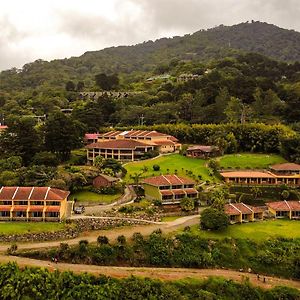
pixel 166 179
pixel 235 208
pixel 247 207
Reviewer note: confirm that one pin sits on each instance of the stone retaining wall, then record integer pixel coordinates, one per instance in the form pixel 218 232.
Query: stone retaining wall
pixel 80 225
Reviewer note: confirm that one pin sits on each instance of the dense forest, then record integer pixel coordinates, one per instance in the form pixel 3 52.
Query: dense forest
pixel 30 283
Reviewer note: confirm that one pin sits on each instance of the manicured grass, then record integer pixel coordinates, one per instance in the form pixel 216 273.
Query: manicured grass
pixel 168 164
pixel 29 227
pixel 250 160
pixel 87 196
pixel 258 231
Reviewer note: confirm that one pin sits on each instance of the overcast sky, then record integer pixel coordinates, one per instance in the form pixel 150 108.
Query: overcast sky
pixel 48 29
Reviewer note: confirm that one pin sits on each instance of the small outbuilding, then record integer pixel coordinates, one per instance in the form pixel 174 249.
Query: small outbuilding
pixel 104 180
pixel 202 151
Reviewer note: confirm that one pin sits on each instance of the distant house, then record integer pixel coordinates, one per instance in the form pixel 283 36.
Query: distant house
pixel 286 168
pixel 33 204
pixel 3 128
pixel 170 189
pixel 285 209
pixel 201 151
pixel 91 138
pixel 104 180
pixel 240 212
pixel 260 178
pixel 130 145
pixel 187 77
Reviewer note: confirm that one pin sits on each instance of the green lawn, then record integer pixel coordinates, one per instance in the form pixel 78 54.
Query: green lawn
pixel 256 231
pixel 29 227
pixel 249 160
pixel 87 196
pixel 168 164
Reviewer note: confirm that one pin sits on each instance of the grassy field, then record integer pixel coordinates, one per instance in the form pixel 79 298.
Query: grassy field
pixel 87 196
pixel 168 164
pixel 29 227
pixel 256 231
pixel 250 160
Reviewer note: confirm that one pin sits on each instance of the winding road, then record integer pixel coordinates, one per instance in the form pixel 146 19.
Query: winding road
pixel 120 272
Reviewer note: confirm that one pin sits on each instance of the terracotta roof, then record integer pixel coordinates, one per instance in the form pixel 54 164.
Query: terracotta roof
pixel 279 206
pixel 241 208
pixel 166 192
pixel 203 148
pixel 2 127
pixel 5 207
pixel 32 193
pixel 20 207
pixel 167 180
pixel 108 178
pixel 91 136
pixel 191 191
pixel 294 205
pixel 247 174
pixel 165 142
pixel 286 167
pixel 118 144
pixel 52 208
pixel 36 208
pixel 178 192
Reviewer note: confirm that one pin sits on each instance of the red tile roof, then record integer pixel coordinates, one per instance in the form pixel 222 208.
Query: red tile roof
pixel 20 207
pixel 166 192
pixel 52 208
pixel 32 193
pixel 118 144
pixel 36 208
pixel 203 148
pixel 286 167
pixel 284 205
pixel 5 207
pixel 178 192
pixel 191 191
pixel 165 142
pixel 279 206
pixel 2 127
pixel 247 174
pixel 241 208
pixel 167 180
pixel 91 136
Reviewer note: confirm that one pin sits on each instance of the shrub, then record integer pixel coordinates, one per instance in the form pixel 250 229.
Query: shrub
pixel 187 204
pixel 213 219
pixel 102 240
pixel 156 167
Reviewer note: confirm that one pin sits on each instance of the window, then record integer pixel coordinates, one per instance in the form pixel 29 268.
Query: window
pixel 21 202
pixel 53 203
pixel 52 214
pixel 37 214
pixel 21 214
pixel 37 202
pixel 4 214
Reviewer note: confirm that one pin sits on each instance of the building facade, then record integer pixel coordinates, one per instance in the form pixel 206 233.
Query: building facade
pixel 201 151
pixel 240 212
pixel 33 204
pixel 130 145
pixel 260 178
pixel 170 189
pixel 285 209
pixel 104 180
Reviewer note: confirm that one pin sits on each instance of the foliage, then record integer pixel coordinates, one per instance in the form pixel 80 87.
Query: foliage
pixel 213 219
pixel 156 167
pixel 187 204
pixel 34 283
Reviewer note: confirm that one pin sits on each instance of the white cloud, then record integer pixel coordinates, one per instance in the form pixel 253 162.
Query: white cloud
pixel 51 29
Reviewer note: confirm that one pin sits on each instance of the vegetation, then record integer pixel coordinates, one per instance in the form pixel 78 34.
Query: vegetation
pixel 7 228
pixel 213 219
pixel 170 164
pixel 33 283
pixel 273 256
pixel 88 196
pixel 249 161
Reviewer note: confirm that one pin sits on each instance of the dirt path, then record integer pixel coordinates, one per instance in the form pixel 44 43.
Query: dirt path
pixel 112 234
pixel 121 272
pixel 158 273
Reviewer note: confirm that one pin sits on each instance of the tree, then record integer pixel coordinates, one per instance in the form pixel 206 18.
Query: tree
pixel 21 139
pixel 62 134
pixel 214 165
pixel 285 194
pixel 187 204
pixel 256 191
pixel 233 110
pixel 107 82
pixel 156 167
pixel 102 240
pixel 213 219
pixel 218 198
pixel 70 86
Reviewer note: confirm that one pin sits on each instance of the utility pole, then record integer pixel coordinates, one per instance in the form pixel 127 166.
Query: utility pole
pixel 141 119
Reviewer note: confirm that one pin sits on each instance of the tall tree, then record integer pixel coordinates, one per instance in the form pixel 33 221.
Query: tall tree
pixel 62 134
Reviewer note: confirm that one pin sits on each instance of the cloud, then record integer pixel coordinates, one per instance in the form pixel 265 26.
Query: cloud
pixel 51 29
